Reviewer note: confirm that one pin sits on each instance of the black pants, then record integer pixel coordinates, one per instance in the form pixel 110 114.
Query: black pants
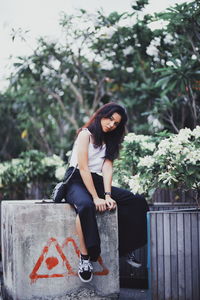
pixel 131 215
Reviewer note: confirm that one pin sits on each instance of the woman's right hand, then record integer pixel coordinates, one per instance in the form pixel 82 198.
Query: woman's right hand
pixel 100 204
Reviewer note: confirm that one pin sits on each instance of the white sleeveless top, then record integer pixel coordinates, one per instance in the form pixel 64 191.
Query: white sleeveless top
pixel 96 156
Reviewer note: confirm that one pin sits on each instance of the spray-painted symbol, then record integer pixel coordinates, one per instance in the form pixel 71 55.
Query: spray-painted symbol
pixel 51 262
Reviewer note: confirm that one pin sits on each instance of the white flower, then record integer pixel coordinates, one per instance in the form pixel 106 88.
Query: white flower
pixel 196 132
pixel 107 65
pixel 194 57
pixel 68 153
pixel 129 69
pixel 146 161
pixel 158 24
pixel 60 172
pixel 143 140
pixel 156 41
pixel 193 156
pixel 148 145
pixel 184 135
pixel 107 32
pixel 54 160
pixel 128 50
pixel 170 63
pixel 3 167
pixel 168 39
pixel 129 137
pixel 176 147
pixel 125 179
pixel 135 184
pixel 163 147
pixel 16 161
pixel 152 51
pixel 167 178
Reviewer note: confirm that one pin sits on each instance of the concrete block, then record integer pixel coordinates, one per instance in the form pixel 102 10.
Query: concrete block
pixel 40 252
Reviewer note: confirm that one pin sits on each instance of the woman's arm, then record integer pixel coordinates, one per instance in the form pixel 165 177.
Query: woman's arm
pixel 107 171
pixel 82 153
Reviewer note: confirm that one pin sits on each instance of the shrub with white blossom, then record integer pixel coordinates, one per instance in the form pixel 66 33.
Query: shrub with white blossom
pixel 134 147
pixel 173 163
pixel 19 174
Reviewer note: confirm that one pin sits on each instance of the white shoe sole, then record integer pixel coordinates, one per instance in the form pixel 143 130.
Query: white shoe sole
pixel 83 280
pixel 134 264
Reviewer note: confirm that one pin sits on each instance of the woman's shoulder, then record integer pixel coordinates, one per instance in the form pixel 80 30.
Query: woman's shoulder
pixel 84 133
pixel 85 130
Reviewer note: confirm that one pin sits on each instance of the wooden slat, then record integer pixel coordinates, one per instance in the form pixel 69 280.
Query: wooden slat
pixel 154 255
pixel 167 267
pixel 181 250
pixel 195 257
pixel 188 256
pixel 174 257
pixel 174 196
pixel 160 256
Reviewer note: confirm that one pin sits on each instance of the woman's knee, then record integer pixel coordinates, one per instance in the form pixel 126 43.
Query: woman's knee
pixel 87 206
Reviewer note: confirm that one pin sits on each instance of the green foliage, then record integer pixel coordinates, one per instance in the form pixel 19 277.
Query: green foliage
pixel 174 162
pixel 139 4
pixel 154 73
pixel 18 175
pixel 134 147
pixel 179 76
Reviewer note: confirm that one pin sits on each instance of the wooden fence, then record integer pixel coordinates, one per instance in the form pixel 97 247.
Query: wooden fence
pixel 132 277
pixel 174 196
pixel 174 254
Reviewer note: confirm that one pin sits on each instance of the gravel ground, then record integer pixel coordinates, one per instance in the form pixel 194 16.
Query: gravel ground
pixel 85 294
pixel 133 294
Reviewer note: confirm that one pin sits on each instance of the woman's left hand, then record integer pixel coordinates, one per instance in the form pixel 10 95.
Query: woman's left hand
pixel 110 203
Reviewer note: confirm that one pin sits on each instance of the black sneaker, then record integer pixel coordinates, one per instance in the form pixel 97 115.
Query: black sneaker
pixel 131 260
pixel 85 270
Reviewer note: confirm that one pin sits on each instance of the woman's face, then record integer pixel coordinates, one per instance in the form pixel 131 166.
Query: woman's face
pixel 110 123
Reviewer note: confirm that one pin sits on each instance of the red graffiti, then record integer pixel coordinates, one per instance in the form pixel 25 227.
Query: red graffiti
pixel 52 261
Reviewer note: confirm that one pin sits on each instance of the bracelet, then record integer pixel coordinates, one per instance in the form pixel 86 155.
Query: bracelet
pixel 107 193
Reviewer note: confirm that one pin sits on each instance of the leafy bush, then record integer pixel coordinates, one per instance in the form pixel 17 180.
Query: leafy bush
pixel 31 168
pixel 134 147
pixel 173 163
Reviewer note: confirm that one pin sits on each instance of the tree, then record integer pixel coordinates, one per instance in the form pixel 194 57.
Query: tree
pixel 152 72
pixel 180 76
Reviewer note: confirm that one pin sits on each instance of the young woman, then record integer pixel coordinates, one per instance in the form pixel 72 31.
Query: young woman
pixel 96 147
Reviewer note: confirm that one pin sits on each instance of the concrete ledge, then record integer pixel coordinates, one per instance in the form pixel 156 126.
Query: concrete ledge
pixel 40 253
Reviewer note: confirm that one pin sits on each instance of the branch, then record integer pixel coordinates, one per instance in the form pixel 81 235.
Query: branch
pixel 170 120
pixel 76 92
pixel 193 104
pixel 42 136
pixel 99 92
pixel 70 118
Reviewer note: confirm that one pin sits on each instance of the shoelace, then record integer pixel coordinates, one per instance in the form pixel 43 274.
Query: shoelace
pixel 85 265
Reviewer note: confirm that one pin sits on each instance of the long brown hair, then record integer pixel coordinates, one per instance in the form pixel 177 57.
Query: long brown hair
pixel 113 138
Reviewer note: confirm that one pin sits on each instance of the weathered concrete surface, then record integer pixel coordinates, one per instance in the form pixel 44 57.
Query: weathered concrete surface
pixel 40 253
